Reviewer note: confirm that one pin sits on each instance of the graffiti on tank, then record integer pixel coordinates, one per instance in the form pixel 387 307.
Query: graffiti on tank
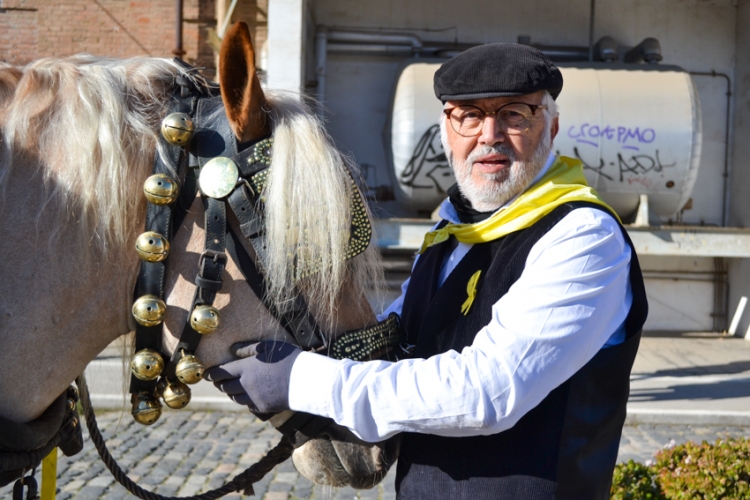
pixel 632 169
pixel 599 169
pixel 631 138
pixel 428 167
pixel 641 164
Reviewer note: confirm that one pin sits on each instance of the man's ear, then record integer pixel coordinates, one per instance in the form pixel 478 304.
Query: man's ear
pixel 555 128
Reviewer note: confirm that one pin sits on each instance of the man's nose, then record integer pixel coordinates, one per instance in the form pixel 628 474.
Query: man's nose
pixel 491 133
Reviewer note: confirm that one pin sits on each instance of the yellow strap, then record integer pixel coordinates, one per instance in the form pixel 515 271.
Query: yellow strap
pixel 471 290
pixel 49 476
pixel 563 183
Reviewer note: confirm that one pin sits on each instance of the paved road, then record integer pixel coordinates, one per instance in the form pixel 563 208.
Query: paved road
pixel 692 386
pixel 190 452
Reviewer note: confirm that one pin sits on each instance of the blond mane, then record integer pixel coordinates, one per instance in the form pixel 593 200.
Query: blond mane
pixel 91 126
pixel 308 209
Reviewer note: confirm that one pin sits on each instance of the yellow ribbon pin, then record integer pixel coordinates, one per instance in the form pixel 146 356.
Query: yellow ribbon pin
pixel 471 290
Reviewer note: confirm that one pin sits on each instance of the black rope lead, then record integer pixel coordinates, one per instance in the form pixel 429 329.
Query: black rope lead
pixel 31 487
pixel 242 482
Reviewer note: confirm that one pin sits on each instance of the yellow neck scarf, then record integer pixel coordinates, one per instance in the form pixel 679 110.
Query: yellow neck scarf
pixel 563 183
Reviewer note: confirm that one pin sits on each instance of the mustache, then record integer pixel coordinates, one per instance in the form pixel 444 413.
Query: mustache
pixel 483 150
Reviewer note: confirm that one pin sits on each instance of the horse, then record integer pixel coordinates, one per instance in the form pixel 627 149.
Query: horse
pixel 78 139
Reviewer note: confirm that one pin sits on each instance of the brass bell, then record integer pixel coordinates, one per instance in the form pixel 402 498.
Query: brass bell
pixel 204 319
pixel 146 408
pixel 149 310
pixel 152 247
pixel 176 395
pixel 147 364
pixel 160 189
pixel 178 129
pixel 189 369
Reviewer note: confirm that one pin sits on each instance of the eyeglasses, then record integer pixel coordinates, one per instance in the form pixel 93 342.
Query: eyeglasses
pixel 514 118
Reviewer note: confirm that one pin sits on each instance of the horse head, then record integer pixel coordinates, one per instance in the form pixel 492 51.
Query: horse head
pixel 296 207
pixel 78 137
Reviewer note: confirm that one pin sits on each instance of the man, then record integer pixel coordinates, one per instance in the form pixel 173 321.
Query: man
pixel 525 306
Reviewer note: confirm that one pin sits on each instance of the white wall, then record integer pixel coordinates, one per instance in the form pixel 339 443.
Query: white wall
pixel 287 23
pixel 739 271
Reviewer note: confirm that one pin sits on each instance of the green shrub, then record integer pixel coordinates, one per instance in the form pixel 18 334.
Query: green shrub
pixel 705 471
pixel 634 481
pixel 689 471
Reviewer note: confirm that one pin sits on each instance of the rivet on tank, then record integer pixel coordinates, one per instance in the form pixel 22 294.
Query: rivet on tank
pixel 189 369
pixel 178 129
pixel 160 189
pixel 152 247
pixel 149 310
pixel 146 408
pixel 204 319
pixel 147 364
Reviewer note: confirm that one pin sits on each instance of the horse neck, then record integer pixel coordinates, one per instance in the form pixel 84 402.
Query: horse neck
pixel 60 305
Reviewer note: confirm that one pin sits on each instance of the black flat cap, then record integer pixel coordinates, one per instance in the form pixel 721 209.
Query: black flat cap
pixel 497 70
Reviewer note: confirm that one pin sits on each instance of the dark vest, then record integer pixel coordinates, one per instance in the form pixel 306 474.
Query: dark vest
pixel 566 447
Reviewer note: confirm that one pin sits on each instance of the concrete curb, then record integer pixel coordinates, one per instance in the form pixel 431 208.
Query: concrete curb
pixel 642 416
pixel 635 416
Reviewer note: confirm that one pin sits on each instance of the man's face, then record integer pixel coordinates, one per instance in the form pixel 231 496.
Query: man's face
pixel 494 166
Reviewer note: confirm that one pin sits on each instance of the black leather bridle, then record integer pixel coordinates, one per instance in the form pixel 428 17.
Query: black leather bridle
pixel 214 138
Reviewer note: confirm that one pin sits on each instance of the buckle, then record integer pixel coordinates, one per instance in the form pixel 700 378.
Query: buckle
pixel 214 254
pixel 244 182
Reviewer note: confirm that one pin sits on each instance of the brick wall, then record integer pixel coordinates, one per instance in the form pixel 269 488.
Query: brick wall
pixel 31 29
pixel 18 35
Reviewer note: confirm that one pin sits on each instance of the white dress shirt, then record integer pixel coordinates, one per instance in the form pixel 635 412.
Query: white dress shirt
pixel 570 301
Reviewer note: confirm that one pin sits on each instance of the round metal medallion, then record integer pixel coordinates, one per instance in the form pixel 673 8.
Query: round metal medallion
pixel 218 177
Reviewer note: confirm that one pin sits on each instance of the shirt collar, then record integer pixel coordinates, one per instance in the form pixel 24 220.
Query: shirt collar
pixel 448 211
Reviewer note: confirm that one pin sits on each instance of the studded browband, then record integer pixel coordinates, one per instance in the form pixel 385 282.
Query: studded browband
pixel 209 158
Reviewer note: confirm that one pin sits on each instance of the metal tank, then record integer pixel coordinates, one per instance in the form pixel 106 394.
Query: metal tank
pixel 637 129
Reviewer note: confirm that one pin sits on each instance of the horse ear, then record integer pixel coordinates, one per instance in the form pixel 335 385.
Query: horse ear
pixel 240 88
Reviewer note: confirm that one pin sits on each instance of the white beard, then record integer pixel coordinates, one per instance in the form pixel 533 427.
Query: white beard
pixel 494 190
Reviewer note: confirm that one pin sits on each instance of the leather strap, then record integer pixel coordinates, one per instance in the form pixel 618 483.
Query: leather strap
pixel 211 267
pixel 163 219
pixel 152 275
pixel 296 319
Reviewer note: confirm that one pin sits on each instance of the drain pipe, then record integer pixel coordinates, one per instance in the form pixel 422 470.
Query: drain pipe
pixel 591 32
pixel 178 50
pixel 358 37
pixel 321 50
pixel 356 41
pixel 728 135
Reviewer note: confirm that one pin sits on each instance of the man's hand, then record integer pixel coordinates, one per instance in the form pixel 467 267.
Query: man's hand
pixel 260 380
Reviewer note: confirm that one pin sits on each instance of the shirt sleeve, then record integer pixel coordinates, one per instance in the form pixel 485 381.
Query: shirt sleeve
pixel 573 294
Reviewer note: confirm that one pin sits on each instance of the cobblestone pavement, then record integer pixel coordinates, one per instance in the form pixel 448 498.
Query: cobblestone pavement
pixel 187 453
